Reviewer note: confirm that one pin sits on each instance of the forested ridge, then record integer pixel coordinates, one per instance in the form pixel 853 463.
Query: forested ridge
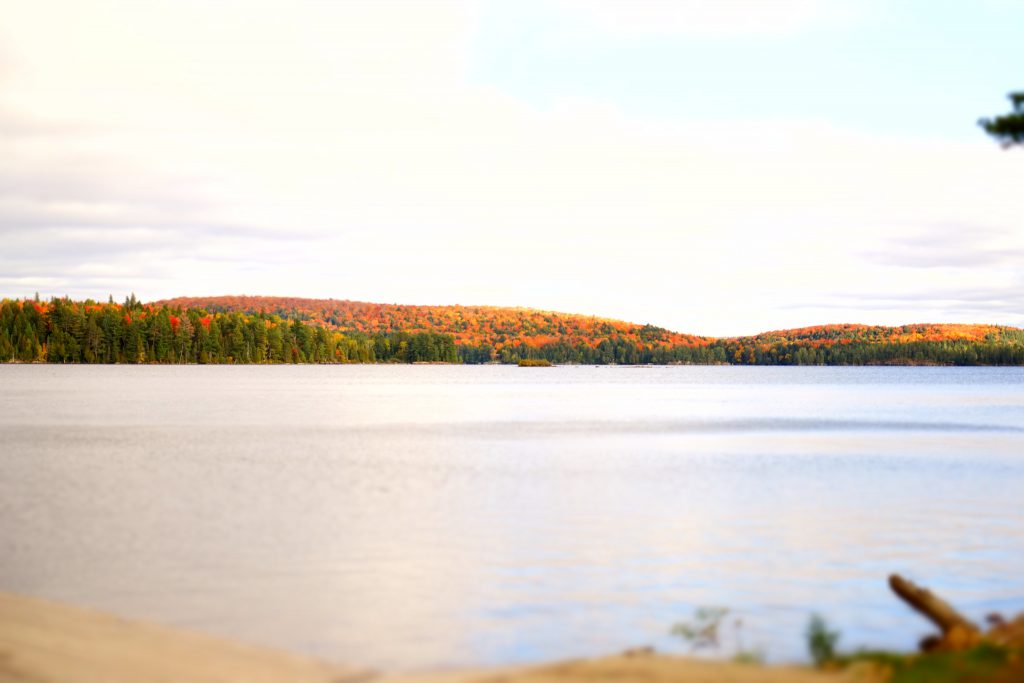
pixel 288 330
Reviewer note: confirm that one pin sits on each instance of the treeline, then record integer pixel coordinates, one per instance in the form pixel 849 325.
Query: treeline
pixel 65 331
pixel 1006 350
pixel 491 327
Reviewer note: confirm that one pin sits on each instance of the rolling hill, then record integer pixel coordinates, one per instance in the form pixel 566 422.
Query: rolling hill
pixel 529 330
pixel 469 325
pixel 244 329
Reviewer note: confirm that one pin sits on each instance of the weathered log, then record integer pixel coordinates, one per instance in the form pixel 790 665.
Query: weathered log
pixel 935 609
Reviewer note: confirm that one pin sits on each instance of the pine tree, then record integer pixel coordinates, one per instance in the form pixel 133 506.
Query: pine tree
pixel 1008 129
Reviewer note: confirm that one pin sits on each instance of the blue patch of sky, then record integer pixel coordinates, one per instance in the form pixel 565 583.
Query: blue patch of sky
pixel 927 69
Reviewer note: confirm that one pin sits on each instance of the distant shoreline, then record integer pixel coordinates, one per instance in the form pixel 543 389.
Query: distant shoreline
pixel 907 364
pixel 260 330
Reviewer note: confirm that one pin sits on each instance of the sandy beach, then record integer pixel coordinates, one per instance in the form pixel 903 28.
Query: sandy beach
pixel 47 642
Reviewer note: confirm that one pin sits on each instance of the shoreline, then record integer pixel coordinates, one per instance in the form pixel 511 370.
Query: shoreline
pixel 674 364
pixel 43 641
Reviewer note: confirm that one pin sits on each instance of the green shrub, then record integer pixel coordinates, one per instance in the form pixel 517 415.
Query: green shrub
pixel 821 642
pixel 703 630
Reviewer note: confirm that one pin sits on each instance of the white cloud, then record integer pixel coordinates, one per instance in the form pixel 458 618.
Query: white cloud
pixel 334 150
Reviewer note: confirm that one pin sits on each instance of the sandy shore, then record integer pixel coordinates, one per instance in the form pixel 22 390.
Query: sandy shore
pixel 45 642
pixel 644 669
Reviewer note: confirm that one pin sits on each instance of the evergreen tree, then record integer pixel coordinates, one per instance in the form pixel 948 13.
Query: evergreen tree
pixel 1008 129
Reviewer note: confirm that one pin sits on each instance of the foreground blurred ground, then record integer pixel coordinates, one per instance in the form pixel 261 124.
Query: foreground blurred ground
pixel 44 642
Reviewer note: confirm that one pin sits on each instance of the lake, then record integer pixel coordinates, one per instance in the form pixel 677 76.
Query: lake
pixel 420 517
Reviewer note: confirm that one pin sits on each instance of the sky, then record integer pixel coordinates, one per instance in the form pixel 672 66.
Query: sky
pixel 715 167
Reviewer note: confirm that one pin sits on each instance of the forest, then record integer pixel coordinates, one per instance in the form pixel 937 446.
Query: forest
pixel 64 331
pixel 275 330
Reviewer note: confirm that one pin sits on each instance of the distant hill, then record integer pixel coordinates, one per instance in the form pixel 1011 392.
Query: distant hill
pixel 469 325
pixel 240 329
pixel 494 324
pixel 850 344
pixel 876 334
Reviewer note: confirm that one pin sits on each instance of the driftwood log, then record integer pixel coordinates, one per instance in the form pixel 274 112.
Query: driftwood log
pixel 958 632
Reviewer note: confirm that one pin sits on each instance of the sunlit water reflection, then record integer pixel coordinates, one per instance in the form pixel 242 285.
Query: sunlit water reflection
pixel 420 517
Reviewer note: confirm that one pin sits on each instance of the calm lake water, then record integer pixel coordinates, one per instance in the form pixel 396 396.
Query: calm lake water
pixel 436 516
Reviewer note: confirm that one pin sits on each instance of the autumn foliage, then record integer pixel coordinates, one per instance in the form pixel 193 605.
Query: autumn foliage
pixel 469 325
pixel 509 334
pixel 290 330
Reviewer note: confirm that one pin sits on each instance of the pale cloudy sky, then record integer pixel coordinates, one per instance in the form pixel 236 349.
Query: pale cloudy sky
pixel 711 166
